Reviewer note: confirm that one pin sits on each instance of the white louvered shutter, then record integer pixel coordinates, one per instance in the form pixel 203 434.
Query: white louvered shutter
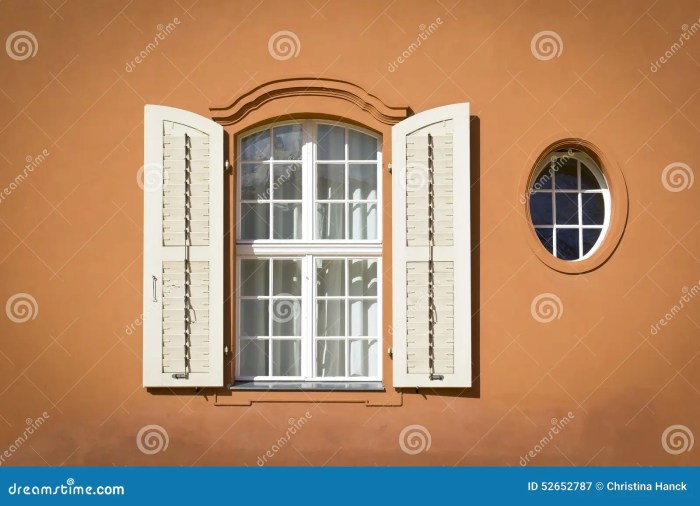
pixel 183 286
pixel 431 249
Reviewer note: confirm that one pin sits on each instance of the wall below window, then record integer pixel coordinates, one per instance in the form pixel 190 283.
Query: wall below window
pixel 599 365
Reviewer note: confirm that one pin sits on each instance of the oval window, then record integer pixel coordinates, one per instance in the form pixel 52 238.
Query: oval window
pixel 569 204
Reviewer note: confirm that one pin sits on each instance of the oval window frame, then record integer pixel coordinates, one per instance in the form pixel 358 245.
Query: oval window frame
pixel 619 207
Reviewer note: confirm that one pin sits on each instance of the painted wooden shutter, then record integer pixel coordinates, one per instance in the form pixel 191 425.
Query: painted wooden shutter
pixel 431 249
pixel 183 179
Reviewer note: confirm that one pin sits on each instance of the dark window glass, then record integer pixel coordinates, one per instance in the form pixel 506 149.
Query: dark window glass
pixel 590 236
pixel 566 175
pixel 567 244
pixel 588 180
pixel 567 208
pixel 541 208
pixel 593 208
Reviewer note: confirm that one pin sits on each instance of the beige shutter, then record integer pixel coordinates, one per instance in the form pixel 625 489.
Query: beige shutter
pixel 183 180
pixel 431 249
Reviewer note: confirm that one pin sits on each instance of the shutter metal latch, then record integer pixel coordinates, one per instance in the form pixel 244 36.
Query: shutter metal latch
pixel 227 165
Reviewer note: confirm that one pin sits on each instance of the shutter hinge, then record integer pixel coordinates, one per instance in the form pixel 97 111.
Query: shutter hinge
pixel 227 165
pixel 388 166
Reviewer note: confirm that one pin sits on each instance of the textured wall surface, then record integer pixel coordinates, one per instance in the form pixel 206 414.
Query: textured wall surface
pixel 71 124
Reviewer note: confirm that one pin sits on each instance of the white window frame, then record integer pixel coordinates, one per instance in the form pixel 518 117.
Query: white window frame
pixel 308 249
pixel 604 190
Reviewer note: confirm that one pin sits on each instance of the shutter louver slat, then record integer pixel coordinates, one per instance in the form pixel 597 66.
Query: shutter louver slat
pixel 431 258
pixel 183 243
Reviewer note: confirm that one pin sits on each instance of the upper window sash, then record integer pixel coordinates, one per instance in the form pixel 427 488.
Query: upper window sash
pixel 308 204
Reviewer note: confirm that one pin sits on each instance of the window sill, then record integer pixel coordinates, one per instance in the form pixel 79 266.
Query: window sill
pixel 290 386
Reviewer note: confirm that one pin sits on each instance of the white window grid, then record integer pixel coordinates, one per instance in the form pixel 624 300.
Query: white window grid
pixel 581 158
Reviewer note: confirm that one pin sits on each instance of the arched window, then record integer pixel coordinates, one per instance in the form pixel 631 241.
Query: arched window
pixel 309 252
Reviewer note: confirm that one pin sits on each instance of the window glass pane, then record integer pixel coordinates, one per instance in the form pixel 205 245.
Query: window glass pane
pixel 330 221
pixel 254 317
pixel 544 179
pixel 363 221
pixel 330 181
pixel 286 182
pixel 363 317
pixel 567 208
pixel 255 221
pixel 286 277
pixel 541 208
pixel 361 146
pixel 287 142
pixel 287 221
pixel 593 207
pixel 588 180
pixel 331 143
pixel 255 276
pixel 330 319
pixel 590 237
pixel 363 277
pixel 255 181
pixel 567 243
pixel 330 357
pixel 286 357
pixel 256 146
pixel 330 278
pixel 363 181
pixel 566 176
pixel 363 357
pixel 286 317
pixel 545 237
pixel 254 357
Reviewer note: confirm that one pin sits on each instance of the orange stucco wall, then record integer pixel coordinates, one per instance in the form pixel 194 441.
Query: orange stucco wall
pixel 72 227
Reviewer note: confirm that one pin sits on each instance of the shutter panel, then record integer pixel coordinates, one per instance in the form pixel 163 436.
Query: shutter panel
pixel 432 249
pixel 183 250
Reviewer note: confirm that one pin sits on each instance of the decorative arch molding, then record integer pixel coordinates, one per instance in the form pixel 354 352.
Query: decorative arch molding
pixel 280 89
